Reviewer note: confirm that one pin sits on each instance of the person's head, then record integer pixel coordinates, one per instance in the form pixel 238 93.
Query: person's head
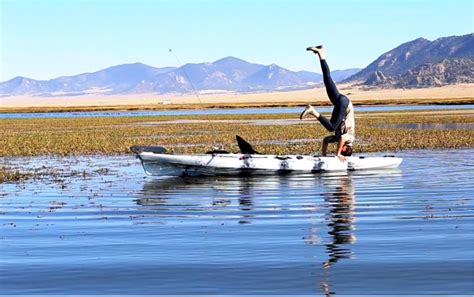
pixel 346 150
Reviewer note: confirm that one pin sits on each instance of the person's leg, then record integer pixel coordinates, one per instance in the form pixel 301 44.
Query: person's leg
pixel 331 88
pixel 311 111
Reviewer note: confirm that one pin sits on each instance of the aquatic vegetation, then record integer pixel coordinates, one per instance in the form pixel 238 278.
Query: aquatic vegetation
pixel 8 174
pixel 199 133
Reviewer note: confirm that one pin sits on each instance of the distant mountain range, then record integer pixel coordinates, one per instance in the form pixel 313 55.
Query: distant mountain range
pixel 418 63
pixel 227 74
pixel 422 63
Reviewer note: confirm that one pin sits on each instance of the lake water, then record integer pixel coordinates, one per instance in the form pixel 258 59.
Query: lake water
pixel 97 225
pixel 430 126
pixel 269 110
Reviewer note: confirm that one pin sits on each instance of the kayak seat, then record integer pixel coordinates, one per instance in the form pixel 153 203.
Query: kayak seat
pixel 137 149
pixel 244 146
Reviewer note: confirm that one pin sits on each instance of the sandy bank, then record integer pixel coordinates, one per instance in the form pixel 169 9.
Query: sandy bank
pixel 462 93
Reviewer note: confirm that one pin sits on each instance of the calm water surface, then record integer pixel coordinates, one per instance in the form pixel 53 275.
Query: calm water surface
pixel 430 126
pixel 99 226
pixel 269 110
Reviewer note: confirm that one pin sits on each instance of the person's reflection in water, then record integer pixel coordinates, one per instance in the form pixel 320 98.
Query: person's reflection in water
pixel 341 226
pixel 246 200
pixel 340 221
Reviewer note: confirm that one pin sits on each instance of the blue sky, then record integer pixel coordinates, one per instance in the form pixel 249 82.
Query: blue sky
pixel 50 38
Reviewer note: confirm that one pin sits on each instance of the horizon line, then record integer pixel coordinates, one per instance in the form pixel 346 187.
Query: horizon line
pixel 174 67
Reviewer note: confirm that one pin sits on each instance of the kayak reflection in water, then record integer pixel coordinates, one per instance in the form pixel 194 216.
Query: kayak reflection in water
pixel 342 119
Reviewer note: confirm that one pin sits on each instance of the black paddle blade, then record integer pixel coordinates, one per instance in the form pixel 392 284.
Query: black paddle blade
pixel 244 146
pixel 145 148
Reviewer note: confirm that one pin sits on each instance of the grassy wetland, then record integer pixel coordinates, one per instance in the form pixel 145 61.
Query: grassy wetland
pixel 270 133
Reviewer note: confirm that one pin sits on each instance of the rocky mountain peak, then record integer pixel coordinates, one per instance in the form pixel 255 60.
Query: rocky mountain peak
pixel 422 63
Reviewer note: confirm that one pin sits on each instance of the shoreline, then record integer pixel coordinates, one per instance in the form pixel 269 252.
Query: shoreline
pixel 198 106
pixel 451 94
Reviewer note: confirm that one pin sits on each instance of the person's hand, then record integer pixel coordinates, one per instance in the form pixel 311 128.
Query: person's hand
pixel 342 158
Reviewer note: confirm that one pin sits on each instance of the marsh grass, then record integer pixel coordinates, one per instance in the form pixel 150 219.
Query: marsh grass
pixel 114 135
pixel 8 174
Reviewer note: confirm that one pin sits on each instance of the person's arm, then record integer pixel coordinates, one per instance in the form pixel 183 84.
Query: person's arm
pixel 340 145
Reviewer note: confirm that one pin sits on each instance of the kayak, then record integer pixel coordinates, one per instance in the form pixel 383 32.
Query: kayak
pixel 157 162
pixel 242 164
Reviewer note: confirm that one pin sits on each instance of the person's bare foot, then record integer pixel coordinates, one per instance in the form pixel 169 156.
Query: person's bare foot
pixel 309 110
pixel 317 49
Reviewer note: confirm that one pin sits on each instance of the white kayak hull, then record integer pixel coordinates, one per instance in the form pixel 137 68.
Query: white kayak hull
pixel 157 164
